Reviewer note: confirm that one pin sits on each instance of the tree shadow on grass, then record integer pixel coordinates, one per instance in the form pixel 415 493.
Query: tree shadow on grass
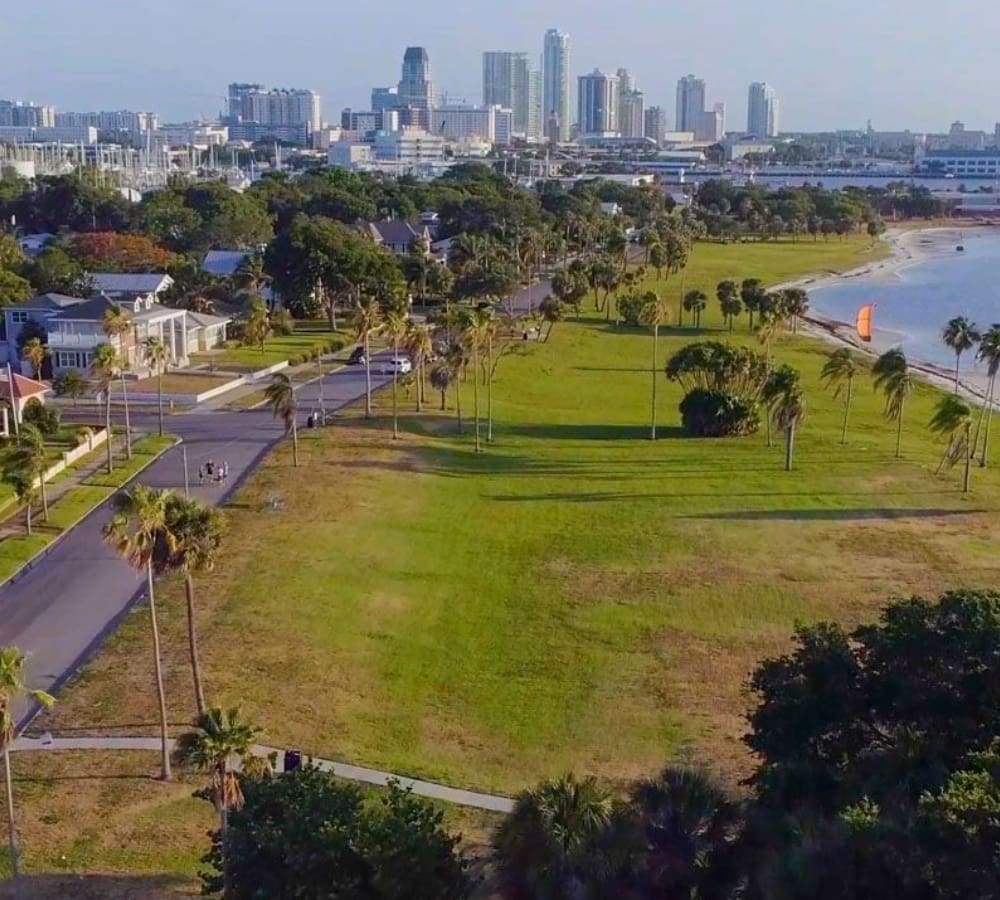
pixel 718 496
pixel 99 887
pixel 594 432
pixel 834 515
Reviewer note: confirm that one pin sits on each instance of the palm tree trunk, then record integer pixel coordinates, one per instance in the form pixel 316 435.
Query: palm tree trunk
pixel 295 442
pixel 458 402
pixel 227 887
pixel 989 421
pixel 420 386
pixel 165 773
pixel 789 447
pixel 128 422
pixel 475 391
pixel 395 380
pixel 27 518
pixel 847 410
pixel 443 400
pixel 899 433
pixel 199 692
pixel 368 379
pixel 967 478
pixel 15 850
pixel 45 496
pixel 767 418
pixel 489 387
pixel 958 359
pixel 107 428
pixel 159 400
pixel 652 416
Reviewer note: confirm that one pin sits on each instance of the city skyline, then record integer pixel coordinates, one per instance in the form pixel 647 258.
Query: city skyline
pixel 185 77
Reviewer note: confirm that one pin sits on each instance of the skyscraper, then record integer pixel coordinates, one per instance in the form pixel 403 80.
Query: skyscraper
pixel 762 110
pixel 690 104
pixel 415 86
pixel 656 124
pixel 598 100
pixel 555 85
pixel 630 106
pixel 508 81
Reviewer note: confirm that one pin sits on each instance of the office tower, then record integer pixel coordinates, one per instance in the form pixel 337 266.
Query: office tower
pixel 762 111
pixel 598 103
pixel 535 129
pixel 655 124
pixel 555 85
pixel 509 82
pixel 415 86
pixel 690 103
pixel 384 98
pixel 631 123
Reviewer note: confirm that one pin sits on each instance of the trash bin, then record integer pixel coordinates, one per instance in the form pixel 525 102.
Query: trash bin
pixel 293 760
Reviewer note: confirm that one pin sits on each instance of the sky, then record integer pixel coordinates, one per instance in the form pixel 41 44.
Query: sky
pixel 899 63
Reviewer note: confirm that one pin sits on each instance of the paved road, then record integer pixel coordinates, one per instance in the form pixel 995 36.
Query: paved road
pixel 62 609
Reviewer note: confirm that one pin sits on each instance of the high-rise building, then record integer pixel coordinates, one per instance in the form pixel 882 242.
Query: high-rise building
pixel 509 82
pixel 535 129
pixel 598 102
pixel 415 86
pixel 655 124
pixel 384 98
pixel 690 104
pixel 631 123
pixel 255 113
pixel 15 114
pixel 556 86
pixel 762 110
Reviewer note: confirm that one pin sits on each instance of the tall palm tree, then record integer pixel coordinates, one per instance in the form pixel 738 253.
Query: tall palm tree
pixel 789 412
pixel 367 322
pixel 13 689
pixel 552 844
pixel 953 419
pixel 653 313
pixel 419 347
pixel 395 325
pixel 197 531
pixel 551 311
pixel 730 303
pixel 695 302
pixel 155 352
pixel 118 324
pixel 892 376
pixel 960 335
pixel 19 474
pixel 137 528
pixel 838 373
pixel 35 353
pixel 689 831
pixel 219 739
pixel 104 365
pixel 457 360
pixel 442 376
pixel 473 337
pixel 779 382
pixel 280 396
pixel 989 353
pixel 31 456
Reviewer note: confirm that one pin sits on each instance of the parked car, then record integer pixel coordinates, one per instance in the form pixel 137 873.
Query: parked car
pixel 396 365
pixel 357 357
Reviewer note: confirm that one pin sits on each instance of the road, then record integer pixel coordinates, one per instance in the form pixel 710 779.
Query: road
pixel 61 610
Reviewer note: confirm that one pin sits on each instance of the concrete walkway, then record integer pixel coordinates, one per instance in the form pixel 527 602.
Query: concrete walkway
pixel 490 802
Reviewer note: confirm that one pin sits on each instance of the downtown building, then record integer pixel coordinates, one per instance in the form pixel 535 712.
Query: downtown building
pixel 510 82
pixel 762 111
pixel 691 115
pixel 415 92
pixel 16 114
pixel 556 118
pixel 631 123
pixel 655 124
pixel 597 104
pixel 256 114
pixel 468 124
pixel 122 125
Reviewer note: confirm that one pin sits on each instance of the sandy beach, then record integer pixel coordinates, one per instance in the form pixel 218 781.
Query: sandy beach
pixel 909 247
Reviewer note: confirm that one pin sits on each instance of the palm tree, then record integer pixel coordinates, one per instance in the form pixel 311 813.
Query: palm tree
pixel 989 353
pixel 960 335
pixel 419 347
pixel 35 353
pixel 250 275
pixel 953 419
pixel 442 376
pixel 789 412
pixel 137 529
pixel 395 324
pixel 838 373
pixel 12 690
pixel 197 531
pixel 367 322
pixel 473 337
pixel 31 458
pixel 551 311
pixel 257 324
pixel 694 302
pixel 552 844
pixel 653 313
pixel 781 381
pixel 729 301
pixel 280 396
pixel 118 324
pixel 104 364
pixel 486 327
pixel 155 352
pixel 220 738
pixel 796 305
pixel 892 377
pixel 689 831
pixel 18 473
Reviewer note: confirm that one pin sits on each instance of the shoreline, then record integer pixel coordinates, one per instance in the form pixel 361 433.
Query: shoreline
pixel 909 246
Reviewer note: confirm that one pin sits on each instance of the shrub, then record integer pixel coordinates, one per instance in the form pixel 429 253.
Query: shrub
pixel 44 418
pixel 282 323
pixel 706 413
pixel 82 435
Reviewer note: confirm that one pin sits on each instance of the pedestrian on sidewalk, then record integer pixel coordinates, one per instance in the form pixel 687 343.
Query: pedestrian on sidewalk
pixel 209 469
pixel 201 476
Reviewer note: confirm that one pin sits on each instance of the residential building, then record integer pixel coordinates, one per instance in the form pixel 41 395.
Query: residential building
pixel 762 111
pixel 200 136
pixel 131 286
pixel 408 147
pixel 631 116
pixel 399 236
pixel 16 393
pixel 655 124
pixel 509 82
pixel 535 129
pixel 117 125
pixel 493 124
pixel 44 134
pixel 598 103
pixel 285 114
pixel 16 114
pixel 690 104
pixel 556 85
pixel 416 89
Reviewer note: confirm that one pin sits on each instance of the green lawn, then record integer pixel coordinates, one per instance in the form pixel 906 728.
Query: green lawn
pixel 295 348
pixel 577 597
pixel 16 550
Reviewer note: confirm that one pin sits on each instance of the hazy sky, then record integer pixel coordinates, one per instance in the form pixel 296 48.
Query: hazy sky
pixel 901 63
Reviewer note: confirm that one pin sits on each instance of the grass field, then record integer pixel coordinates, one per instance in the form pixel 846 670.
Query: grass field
pixel 577 597
pixel 295 348
pixel 179 383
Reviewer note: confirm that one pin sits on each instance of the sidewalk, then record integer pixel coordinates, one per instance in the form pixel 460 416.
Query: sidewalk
pixel 490 802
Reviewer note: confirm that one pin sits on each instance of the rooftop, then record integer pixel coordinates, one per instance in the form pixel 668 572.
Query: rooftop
pixel 130 283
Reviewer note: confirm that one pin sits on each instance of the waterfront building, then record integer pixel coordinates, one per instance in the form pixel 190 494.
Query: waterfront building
pixel 762 111
pixel 556 85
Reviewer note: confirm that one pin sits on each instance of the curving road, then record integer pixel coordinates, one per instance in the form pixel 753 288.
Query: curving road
pixel 61 609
